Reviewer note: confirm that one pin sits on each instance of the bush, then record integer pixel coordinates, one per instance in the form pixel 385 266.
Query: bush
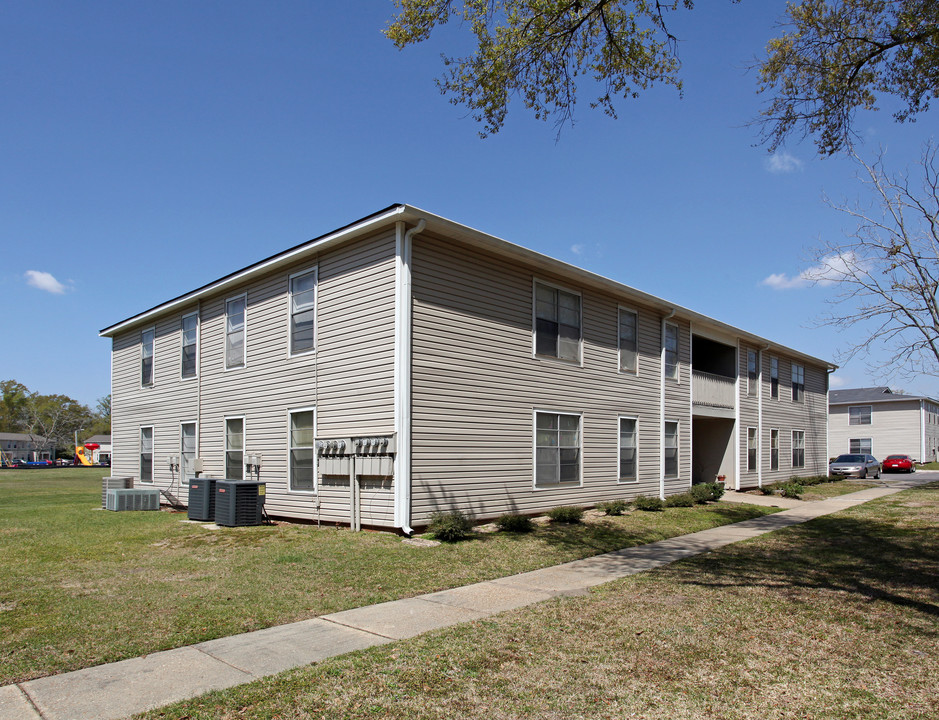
pixel 450 526
pixel 648 503
pixel 513 522
pixel 768 489
pixel 569 514
pixel 703 492
pixel 613 507
pixel 685 499
pixel 792 490
pixel 811 480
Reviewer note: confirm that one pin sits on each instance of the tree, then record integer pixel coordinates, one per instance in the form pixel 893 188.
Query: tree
pixel 14 397
pixel 887 270
pixel 56 418
pixel 836 58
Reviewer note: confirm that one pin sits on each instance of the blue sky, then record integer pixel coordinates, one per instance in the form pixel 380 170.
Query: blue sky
pixel 147 148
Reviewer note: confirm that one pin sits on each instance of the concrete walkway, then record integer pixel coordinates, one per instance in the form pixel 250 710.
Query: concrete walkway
pixel 124 688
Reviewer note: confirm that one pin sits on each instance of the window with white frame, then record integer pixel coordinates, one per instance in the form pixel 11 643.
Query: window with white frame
pixel 146 454
pixel 302 468
pixel 303 312
pixel 235 332
pixel 860 446
pixel 798 383
pixel 146 357
pixel 774 377
pixel 628 450
pixel 671 351
pixel 628 340
pixel 671 449
pixel 234 448
pixel 752 374
pixel 187 450
pixel 798 448
pixel 190 339
pixel 557 448
pixel 557 322
pixel 774 449
pixel 752 448
pixel 859 415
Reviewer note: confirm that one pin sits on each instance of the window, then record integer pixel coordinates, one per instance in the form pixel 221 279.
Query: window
pixel 628 341
pixel 751 373
pixel 774 449
pixel 861 446
pixel 798 383
pixel 235 332
pixel 628 446
pixel 751 449
pixel 146 357
pixel 146 454
pixel 190 338
pixel 302 456
pixel 671 351
pixel 234 448
pixel 557 323
pixel 187 450
pixel 859 415
pixel 774 377
pixel 557 449
pixel 303 312
pixel 671 449
pixel 798 448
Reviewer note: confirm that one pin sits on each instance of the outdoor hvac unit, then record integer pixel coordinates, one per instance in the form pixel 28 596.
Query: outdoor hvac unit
pixel 239 502
pixel 136 499
pixel 114 483
pixel 202 498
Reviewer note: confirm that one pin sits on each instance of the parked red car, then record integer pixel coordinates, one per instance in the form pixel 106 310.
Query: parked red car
pixel 899 463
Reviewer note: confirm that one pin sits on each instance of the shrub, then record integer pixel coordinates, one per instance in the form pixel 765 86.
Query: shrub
pixel 450 526
pixel 792 490
pixel 570 514
pixel 613 507
pixel 648 503
pixel 513 522
pixel 685 499
pixel 717 489
pixel 811 480
pixel 768 489
pixel 702 492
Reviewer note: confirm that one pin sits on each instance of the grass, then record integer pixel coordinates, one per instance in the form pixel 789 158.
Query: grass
pixel 834 619
pixel 834 489
pixel 82 586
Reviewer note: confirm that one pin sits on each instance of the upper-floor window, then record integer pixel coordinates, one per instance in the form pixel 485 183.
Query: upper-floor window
pixel 628 340
pixel 752 374
pixel 798 383
pixel 557 323
pixel 628 448
pixel 190 339
pixel 557 448
pixel 671 351
pixel 774 377
pixel 235 332
pixel 303 312
pixel 146 357
pixel 859 415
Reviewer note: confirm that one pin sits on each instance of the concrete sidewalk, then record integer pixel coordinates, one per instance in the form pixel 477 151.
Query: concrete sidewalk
pixel 124 688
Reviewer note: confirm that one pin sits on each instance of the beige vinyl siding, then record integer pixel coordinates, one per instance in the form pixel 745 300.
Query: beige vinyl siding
pixel 749 417
pixel 894 429
pixel 476 386
pixel 349 379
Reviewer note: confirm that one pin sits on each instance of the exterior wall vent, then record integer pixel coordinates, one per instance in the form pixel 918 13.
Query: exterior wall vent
pixel 133 499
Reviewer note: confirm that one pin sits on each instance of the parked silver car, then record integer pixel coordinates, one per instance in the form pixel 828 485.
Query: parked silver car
pixel 854 465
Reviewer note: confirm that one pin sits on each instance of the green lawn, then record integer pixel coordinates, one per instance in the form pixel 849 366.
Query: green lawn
pixel 82 586
pixel 836 619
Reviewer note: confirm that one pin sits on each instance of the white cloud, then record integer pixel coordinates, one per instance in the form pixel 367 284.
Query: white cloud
pixel 783 162
pixel 578 249
pixel 44 281
pixel 830 270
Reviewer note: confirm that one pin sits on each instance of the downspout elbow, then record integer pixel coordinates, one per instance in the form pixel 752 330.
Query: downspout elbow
pixel 416 230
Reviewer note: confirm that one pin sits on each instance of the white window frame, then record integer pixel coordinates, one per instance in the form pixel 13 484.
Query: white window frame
pixel 870 415
pixel 143 344
pixel 800 385
pixel 619 340
pixel 534 323
pixel 619 450
pixel 580 455
pixel 140 453
pixel 753 452
pixel 861 451
pixel 677 365
pixel 774 435
pixel 774 377
pixel 753 379
pixel 677 474
pixel 182 345
pixel 290 488
pixel 792 448
pixel 244 331
pixel 182 467
pixel 244 444
pixel 290 310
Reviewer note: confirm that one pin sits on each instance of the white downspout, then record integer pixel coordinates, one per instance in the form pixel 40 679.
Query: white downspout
pixel 922 432
pixel 670 315
pixel 403 337
pixel 738 391
pixel 759 417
